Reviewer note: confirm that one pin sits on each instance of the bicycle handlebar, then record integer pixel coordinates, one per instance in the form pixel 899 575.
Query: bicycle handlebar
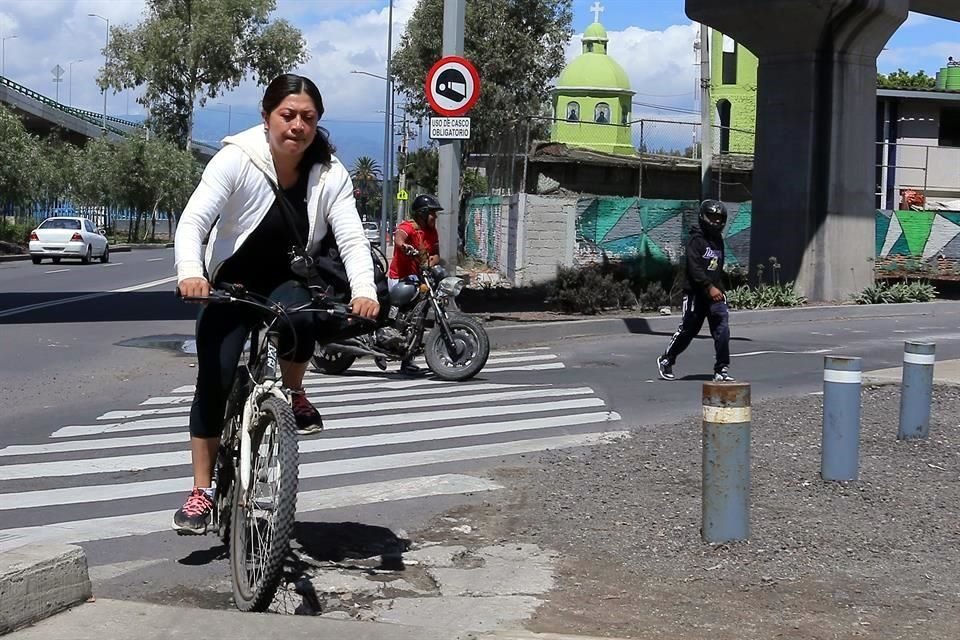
pixel 236 293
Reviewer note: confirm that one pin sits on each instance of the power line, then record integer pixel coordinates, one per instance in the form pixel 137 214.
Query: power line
pixel 662 107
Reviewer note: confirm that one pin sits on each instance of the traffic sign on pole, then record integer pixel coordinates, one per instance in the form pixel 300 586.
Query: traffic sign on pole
pixel 452 86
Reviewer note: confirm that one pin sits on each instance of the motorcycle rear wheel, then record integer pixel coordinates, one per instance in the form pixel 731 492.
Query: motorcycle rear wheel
pixel 331 362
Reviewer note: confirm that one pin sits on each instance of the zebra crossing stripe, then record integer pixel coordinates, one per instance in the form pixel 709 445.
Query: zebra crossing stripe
pixel 106 492
pixel 486 369
pixel 146 523
pixel 366 421
pixel 403 392
pixel 142 462
pixel 354 383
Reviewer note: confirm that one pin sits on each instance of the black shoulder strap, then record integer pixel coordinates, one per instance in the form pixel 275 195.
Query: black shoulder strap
pixel 289 217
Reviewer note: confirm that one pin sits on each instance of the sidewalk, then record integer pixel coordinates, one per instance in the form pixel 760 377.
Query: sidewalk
pixel 945 372
pixel 121 620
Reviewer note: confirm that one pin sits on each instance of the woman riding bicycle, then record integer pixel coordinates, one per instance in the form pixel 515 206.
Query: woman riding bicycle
pixel 249 243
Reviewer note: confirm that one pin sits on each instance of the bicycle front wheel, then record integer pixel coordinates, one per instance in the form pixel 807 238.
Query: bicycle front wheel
pixel 262 519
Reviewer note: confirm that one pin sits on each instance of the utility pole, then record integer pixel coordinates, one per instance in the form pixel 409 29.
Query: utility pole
pixel 706 106
pixel 449 171
pixel 402 204
pixel 105 62
pixel 385 196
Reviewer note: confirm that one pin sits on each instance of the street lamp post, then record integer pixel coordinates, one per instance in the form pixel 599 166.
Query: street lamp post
pixel 96 15
pixel 70 80
pixel 3 54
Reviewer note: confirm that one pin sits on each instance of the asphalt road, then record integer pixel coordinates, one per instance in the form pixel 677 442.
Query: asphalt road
pixel 95 394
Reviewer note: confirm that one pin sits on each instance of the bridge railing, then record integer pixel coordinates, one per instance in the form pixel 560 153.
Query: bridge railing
pixel 88 116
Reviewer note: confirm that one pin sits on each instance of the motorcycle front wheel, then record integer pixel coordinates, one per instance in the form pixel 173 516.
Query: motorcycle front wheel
pixel 473 349
pixel 331 362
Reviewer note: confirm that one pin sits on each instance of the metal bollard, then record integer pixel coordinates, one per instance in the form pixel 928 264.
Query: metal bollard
pixel 726 462
pixel 916 391
pixel 840 446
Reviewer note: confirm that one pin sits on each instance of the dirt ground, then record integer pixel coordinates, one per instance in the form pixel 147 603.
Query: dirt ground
pixel 875 558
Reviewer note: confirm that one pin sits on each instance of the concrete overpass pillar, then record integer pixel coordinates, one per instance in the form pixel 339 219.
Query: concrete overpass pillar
pixel 813 205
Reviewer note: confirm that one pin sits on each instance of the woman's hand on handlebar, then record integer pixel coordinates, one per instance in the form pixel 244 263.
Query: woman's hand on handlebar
pixel 194 288
pixel 365 307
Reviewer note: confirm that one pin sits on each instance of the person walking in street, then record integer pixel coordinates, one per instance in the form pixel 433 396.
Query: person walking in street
pixel 415 240
pixel 703 297
pixel 237 208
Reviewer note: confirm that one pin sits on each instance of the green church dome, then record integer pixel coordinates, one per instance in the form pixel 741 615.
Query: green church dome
pixel 595 32
pixel 594 70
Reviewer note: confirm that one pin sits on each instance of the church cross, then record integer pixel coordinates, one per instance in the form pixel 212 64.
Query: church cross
pixel 597 9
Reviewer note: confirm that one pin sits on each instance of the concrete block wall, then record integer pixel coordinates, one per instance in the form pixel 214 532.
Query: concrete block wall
pixel 548 238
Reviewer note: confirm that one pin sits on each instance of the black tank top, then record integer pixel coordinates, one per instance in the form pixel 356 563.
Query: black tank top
pixel 262 262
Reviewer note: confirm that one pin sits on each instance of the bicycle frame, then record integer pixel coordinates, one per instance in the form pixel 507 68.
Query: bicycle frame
pixel 268 381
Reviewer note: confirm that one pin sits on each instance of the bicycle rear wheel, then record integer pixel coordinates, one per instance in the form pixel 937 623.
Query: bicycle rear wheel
pixel 263 516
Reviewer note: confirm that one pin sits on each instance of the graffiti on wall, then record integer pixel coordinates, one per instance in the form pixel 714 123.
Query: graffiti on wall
pixel 482 233
pixel 650 233
pixel 918 240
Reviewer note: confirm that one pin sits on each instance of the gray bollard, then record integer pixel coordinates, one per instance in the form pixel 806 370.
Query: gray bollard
pixel 726 462
pixel 916 391
pixel 840 448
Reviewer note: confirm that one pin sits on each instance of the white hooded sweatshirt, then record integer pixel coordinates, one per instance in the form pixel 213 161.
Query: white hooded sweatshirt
pixel 234 196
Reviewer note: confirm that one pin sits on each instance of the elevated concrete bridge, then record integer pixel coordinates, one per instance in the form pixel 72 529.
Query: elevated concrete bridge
pixel 42 115
pixel 813 199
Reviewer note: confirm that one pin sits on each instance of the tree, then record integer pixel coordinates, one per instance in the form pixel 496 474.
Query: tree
pixel 186 51
pixel 423 167
pixel 366 175
pixel 19 152
pixel 516 45
pixel 902 79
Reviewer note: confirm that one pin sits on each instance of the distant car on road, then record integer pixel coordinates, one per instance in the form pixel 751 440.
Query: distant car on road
pixel 372 230
pixel 68 237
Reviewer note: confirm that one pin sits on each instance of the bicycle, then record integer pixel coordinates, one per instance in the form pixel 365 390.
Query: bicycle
pixel 255 516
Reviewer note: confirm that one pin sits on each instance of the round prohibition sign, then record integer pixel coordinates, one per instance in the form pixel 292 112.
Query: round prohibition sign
pixel 452 86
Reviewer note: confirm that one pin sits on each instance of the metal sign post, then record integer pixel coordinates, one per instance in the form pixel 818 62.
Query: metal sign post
pixel 448 183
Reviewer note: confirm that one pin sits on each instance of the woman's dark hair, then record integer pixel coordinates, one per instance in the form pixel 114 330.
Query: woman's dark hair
pixel 289 84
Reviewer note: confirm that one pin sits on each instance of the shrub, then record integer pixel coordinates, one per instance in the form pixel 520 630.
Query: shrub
pixel 885 293
pixel 653 297
pixel 589 291
pixel 17 232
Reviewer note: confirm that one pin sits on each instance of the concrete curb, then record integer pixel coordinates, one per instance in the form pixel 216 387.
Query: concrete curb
pixel 123 620
pixel 117 248
pixel 38 581
pixel 515 333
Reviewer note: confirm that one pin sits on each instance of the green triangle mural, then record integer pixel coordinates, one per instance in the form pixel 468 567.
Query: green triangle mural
pixel 916 227
pixel 899 247
pixel 882 225
pixel 952 217
pixel 609 212
pixel 654 213
pixel 587 221
pixel 743 219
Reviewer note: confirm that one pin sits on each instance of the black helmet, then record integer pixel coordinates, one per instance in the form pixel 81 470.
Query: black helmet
pixel 423 204
pixel 713 216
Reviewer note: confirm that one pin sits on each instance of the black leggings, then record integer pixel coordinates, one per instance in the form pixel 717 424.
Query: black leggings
pixel 222 330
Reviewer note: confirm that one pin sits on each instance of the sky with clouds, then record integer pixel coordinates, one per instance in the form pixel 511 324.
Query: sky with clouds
pixel 651 39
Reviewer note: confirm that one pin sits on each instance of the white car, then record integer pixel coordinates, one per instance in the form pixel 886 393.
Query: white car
pixel 71 237
pixel 372 231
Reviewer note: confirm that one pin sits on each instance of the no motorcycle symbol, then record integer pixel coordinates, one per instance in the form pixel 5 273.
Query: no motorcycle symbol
pixel 452 86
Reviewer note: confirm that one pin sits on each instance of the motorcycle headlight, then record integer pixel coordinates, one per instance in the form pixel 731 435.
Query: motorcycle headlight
pixel 451 286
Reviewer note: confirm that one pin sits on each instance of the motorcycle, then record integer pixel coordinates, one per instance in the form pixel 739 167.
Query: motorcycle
pixel 456 346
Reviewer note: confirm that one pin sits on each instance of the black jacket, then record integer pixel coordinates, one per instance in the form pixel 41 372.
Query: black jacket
pixel 704 261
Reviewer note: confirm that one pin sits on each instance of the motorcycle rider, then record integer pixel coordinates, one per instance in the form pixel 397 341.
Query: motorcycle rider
pixel 415 240
pixel 702 296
